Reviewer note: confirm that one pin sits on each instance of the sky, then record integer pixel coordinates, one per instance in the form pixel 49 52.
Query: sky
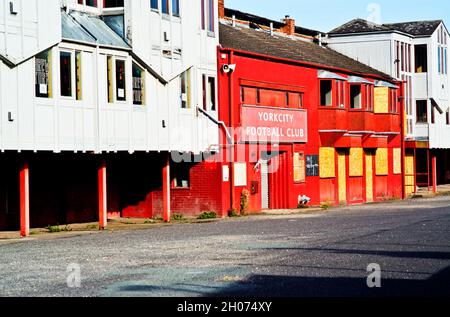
pixel 325 15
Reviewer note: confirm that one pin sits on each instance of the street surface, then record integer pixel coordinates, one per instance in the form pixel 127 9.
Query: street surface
pixel 323 254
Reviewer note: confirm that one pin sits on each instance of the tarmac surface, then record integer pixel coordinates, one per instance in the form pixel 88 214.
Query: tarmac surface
pixel 324 253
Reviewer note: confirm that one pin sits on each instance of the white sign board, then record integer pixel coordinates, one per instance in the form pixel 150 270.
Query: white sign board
pixel 240 174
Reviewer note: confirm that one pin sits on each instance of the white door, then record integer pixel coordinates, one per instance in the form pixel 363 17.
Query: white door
pixel 265 185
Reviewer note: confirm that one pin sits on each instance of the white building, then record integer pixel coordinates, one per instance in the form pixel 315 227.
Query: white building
pixel 112 76
pixel 415 52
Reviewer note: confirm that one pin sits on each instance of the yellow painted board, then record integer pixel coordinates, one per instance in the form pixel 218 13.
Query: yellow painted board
pixel 409 174
pixel 327 162
pixel 382 167
pixel 342 181
pixel 356 162
pixel 381 100
pixel 369 177
pixel 397 157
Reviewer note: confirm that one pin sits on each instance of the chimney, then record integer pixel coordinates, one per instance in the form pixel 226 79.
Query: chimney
pixel 289 27
pixel 221 9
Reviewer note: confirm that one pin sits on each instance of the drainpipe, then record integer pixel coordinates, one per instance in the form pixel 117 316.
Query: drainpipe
pixel 232 122
pixel 403 145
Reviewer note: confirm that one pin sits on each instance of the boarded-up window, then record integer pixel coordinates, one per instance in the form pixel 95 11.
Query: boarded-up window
pixel 299 168
pixel 382 167
pixel 397 157
pixel 356 162
pixel 138 85
pixel 381 100
pixel 109 67
pixel 327 165
pixel 43 74
pixel 78 74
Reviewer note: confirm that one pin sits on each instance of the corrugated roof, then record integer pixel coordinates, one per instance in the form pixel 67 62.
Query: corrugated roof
pixel 415 28
pixel 260 42
pixel 82 27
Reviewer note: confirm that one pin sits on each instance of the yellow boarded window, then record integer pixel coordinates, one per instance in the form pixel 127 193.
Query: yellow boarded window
pixel 78 82
pixel 397 161
pixel 110 79
pixel 382 167
pixel 327 162
pixel 381 100
pixel 356 162
pixel 299 168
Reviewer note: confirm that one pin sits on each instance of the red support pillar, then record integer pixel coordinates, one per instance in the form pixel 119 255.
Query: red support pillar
pixel 434 171
pixel 24 200
pixel 102 197
pixel 166 190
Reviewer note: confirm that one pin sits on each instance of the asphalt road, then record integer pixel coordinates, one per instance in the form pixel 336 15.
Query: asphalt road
pixel 325 254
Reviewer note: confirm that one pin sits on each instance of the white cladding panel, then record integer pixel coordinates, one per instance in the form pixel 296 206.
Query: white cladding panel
pixel 92 124
pixel 373 50
pixel 29 28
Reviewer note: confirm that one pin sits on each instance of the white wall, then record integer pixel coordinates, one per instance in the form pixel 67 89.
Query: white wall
pixel 92 124
pixel 35 27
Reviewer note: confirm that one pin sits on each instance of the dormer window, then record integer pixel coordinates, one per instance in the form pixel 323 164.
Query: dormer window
pixel 113 4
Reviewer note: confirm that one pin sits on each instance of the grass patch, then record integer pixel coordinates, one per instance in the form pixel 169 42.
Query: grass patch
pixel 149 221
pixel 325 206
pixel 233 213
pixel 207 215
pixel 177 217
pixel 92 227
pixel 56 229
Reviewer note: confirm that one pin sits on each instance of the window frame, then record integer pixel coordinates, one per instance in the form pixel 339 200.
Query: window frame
pixel 418 103
pixel 143 86
pixel 113 98
pixel 331 105
pixel 49 75
pixel 187 87
pixel 361 97
pixel 175 170
pixel 208 93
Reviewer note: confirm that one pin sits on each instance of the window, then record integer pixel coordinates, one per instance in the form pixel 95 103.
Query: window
pixel 299 168
pixel 447 117
pixel 186 90
pixel 138 85
pixel 300 100
pixel 43 74
pixel 393 101
pixel 113 3
pixel 369 97
pixel 326 88
pixel 355 97
pixel 340 93
pixel 120 81
pixel 165 6
pixel 154 5
pixel 181 173
pixel 433 115
pixel 422 111
pixel 212 93
pixel 209 93
pixel 176 8
pixel 421 59
pixel 65 66
pixel 89 3
pixel 208 18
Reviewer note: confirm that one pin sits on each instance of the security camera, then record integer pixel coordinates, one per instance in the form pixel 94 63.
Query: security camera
pixel 228 68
